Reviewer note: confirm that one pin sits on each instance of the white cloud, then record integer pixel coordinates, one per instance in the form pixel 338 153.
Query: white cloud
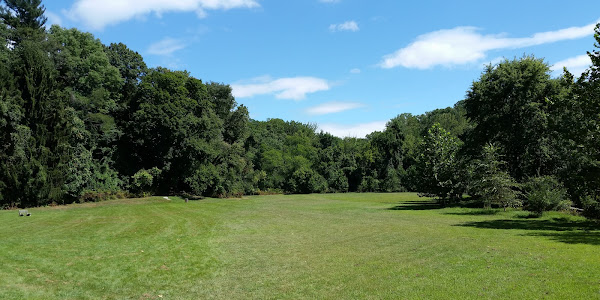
pixel 294 88
pixel 98 14
pixel 356 130
pixel 355 71
pixel 346 26
pixel 166 46
pixel 576 65
pixel 462 45
pixel 333 107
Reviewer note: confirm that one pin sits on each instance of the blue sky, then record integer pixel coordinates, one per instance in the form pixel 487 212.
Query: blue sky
pixel 346 65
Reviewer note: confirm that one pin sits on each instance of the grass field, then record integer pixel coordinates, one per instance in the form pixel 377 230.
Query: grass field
pixel 334 246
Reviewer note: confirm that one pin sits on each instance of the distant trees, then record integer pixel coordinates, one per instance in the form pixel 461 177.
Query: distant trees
pixel 80 120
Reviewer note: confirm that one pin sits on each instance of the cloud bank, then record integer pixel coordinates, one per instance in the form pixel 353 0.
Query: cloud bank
pixel 463 45
pixel 99 14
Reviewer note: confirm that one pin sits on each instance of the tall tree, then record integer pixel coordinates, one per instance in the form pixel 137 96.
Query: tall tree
pixel 439 165
pixel 577 126
pixel 25 19
pixel 509 106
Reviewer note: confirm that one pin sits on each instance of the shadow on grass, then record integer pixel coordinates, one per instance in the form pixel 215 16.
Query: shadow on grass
pixel 564 230
pixel 556 224
pixel 572 237
pixel 432 204
pixel 477 212
pixel 417 205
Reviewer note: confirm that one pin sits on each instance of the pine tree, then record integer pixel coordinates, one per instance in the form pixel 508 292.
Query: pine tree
pixel 24 18
pixel 491 182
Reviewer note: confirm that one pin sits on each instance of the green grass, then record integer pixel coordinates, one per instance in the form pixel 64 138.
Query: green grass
pixel 335 246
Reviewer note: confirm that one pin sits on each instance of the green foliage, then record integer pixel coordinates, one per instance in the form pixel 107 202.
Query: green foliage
pixel 338 182
pixel 509 106
pixel 591 207
pixel 142 182
pixel 544 194
pixel 306 181
pixel 577 126
pixel 490 182
pixel 438 164
pixel 369 184
pixel 24 18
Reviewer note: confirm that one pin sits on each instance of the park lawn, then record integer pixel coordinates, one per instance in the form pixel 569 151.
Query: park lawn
pixel 322 246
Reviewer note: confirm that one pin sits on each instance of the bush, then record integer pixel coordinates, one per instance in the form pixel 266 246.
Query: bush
pixel 369 184
pixel 544 194
pixel 96 196
pixel 338 182
pixel 591 208
pixel 143 181
pixel 306 181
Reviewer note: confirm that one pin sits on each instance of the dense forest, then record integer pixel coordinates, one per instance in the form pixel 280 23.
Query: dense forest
pixel 84 121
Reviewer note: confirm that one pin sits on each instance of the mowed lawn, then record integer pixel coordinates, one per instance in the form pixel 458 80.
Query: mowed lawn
pixel 330 246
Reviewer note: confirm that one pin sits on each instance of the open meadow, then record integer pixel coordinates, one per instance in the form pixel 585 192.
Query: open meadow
pixel 320 246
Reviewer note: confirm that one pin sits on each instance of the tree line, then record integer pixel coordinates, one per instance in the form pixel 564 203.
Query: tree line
pixel 84 121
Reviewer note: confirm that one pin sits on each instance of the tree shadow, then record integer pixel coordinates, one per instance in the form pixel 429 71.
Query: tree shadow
pixel 476 212
pixel 555 224
pixel 417 205
pixel 559 229
pixel 572 237
pixel 432 204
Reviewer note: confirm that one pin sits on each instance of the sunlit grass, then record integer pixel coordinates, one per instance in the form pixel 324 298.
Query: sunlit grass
pixel 351 246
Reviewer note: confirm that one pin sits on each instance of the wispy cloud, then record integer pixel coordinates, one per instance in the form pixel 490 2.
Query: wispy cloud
pixel 53 19
pixel 166 46
pixel 355 130
pixel 99 14
pixel 330 1
pixel 333 107
pixel 346 26
pixel 355 71
pixel 576 65
pixel 463 45
pixel 294 88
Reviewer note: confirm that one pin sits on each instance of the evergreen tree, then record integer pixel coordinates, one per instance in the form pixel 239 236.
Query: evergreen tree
pixel 491 182
pixel 24 18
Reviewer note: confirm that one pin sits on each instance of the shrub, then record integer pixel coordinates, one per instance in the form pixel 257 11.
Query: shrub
pixel 591 208
pixel 143 181
pixel 544 194
pixel 369 184
pixel 306 181
pixel 338 182
pixel 96 196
